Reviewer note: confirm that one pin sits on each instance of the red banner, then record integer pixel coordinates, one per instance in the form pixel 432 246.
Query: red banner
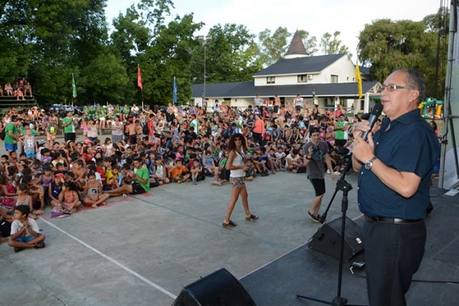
pixel 139 78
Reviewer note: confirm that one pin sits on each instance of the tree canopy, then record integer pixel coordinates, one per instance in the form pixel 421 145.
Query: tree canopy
pixel 386 45
pixel 48 41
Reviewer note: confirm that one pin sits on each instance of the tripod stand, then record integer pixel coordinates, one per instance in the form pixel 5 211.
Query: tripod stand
pixel 346 168
pixel 345 187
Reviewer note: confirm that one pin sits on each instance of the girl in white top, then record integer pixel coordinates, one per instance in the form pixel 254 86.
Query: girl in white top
pixel 237 147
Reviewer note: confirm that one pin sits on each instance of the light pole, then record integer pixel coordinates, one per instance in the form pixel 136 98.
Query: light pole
pixel 205 66
pixel 204 88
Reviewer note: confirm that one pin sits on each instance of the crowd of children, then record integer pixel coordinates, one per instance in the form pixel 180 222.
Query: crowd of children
pixel 146 149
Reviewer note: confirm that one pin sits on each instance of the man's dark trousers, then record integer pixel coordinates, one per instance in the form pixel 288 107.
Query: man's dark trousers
pixel 393 253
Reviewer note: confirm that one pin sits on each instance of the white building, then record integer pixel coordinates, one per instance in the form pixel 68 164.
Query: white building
pixel 326 80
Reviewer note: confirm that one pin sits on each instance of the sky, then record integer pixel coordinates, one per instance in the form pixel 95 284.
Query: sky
pixel 315 16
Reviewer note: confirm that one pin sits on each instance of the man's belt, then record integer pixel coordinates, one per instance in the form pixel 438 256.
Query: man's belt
pixel 392 220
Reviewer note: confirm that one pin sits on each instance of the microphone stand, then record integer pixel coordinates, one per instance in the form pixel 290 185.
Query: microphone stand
pixel 345 187
pixel 339 183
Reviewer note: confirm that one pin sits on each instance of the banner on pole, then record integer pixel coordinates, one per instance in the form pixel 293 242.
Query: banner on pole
pixel 74 89
pixel 139 77
pixel 174 91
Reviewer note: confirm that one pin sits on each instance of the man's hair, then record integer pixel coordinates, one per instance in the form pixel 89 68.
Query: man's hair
pixel 23 209
pixel 416 81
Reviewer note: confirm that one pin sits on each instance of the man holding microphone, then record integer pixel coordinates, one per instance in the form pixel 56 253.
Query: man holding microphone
pixel 395 166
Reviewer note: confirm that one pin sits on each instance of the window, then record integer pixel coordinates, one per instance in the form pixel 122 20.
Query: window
pixel 334 78
pixel 302 78
pixel 270 80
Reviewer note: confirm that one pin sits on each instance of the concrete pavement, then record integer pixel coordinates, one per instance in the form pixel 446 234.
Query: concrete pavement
pixel 143 249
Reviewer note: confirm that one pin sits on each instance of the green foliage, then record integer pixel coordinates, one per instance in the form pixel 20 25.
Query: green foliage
pixel 273 45
pixel 310 42
pixel 131 36
pixel 331 44
pixel 154 12
pixel 231 54
pixel 105 79
pixel 169 56
pixel 47 41
pixel 387 45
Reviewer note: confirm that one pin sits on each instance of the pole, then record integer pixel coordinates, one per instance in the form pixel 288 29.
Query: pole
pixel 205 62
pixel 141 93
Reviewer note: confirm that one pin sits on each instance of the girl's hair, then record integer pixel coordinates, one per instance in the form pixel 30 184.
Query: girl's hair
pixel 70 185
pixel 232 142
pixel 23 186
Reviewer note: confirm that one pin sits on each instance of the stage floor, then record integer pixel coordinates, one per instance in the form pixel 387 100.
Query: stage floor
pixel 308 272
pixel 143 250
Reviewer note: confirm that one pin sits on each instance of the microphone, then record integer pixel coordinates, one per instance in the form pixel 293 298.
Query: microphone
pixel 375 113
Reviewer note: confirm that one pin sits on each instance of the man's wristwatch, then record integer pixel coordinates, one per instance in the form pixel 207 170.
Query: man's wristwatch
pixel 369 164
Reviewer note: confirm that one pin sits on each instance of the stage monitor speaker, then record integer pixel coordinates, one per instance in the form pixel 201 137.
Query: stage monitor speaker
pixel 327 239
pixel 220 288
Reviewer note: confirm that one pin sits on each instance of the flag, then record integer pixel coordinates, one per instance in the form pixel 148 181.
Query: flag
pixel 358 78
pixel 139 78
pixel 174 91
pixel 74 89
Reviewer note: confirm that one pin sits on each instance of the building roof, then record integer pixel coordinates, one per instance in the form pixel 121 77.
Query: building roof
pixel 247 89
pixel 299 65
pixel 296 46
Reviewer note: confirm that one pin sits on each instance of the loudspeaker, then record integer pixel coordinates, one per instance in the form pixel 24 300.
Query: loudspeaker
pixel 220 288
pixel 328 237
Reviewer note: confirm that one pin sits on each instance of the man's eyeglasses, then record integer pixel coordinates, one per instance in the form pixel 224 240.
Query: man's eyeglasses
pixel 391 87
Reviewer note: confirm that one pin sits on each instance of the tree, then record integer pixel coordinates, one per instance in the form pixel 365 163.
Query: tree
pixel 105 79
pixel 153 12
pixel 387 45
pixel 331 44
pixel 131 36
pixel 310 42
pixel 48 40
pixel 231 55
pixel 170 55
pixel 273 46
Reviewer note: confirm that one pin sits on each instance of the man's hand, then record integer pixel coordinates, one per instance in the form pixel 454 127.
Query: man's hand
pixel 362 150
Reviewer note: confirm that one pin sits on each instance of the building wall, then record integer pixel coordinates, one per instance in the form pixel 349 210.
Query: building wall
pixel 242 103
pixel 343 68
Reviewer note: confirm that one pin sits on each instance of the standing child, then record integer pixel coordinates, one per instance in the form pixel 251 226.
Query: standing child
pixel 25 233
pixel 30 146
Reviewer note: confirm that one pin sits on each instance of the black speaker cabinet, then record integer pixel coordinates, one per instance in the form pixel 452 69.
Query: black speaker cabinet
pixel 327 239
pixel 220 288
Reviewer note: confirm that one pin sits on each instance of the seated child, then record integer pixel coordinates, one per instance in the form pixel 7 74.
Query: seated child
pixel 179 173
pixel 25 233
pixel 159 175
pixel 68 199
pixel 196 171
pixel 94 194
